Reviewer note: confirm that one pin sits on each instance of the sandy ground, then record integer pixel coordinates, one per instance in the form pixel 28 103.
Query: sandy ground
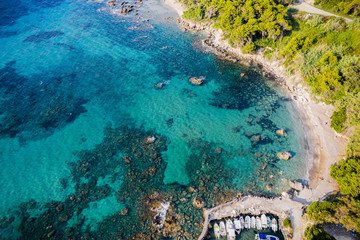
pixel 306 7
pixel 326 147
pixel 282 207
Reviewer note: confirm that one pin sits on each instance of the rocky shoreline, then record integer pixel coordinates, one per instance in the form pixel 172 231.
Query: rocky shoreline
pixel 313 114
pixel 325 146
pixel 224 51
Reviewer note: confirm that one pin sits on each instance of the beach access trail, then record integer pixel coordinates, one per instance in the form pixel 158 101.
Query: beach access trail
pixel 306 7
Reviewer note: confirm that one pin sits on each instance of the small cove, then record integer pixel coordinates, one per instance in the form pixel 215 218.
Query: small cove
pixel 88 101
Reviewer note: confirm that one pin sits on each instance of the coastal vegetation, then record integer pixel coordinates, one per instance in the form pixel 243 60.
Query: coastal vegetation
pixel 344 7
pixel 344 207
pixel 325 51
pixel 316 233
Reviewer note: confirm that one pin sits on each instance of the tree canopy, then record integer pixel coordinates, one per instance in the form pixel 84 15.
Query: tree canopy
pixel 347 175
pixel 243 21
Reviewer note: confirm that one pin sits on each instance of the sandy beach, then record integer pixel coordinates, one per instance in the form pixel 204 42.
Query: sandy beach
pixel 325 146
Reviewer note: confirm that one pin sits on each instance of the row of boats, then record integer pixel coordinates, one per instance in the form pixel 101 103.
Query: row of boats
pixel 232 227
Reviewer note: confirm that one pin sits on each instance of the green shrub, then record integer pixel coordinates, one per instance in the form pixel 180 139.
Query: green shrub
pixel 338 119
pixel 347 175
pixel 286 223
pixel 322 211
pixel 249 48
pixel 316 233
pixel 196 13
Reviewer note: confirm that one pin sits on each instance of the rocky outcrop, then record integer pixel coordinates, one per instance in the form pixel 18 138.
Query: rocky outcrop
pixel 150 140
pixel 296 185
pixel 284 155
pixel 196 81
pixel 281 132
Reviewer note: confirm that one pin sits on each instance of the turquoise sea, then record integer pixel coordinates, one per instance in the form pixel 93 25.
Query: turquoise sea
pixel 79 103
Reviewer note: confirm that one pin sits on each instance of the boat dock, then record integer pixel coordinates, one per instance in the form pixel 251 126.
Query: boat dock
pixel 281 207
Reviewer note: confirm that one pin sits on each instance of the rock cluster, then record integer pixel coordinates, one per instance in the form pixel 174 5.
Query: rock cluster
pixel 123 7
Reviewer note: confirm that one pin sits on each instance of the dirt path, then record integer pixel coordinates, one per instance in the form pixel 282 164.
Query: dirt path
pixel 306 7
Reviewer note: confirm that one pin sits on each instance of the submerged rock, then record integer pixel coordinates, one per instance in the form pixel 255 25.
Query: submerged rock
pixel 150 139
pixel 63 218
pixel 124 212
pixel 126 159
pixel 284 155
pixel 159 85
pixel 218 150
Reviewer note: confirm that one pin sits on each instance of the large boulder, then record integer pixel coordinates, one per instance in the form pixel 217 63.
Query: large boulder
pixel 196 81
pixel 284 155
pixel 281 132
pixel 296 185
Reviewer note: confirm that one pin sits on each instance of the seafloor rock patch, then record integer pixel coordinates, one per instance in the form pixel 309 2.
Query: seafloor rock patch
pixel 36 106
pixel 43 36
pixel 142 170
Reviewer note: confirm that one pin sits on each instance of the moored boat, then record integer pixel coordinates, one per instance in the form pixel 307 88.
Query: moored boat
pixel 216 230
pixel 252 222
pixel 274 225
pixel 268 221
pixel 263 236
pixel 242 223
pixel 222 229
pixel 263 221
pixel 237 225
pixel 247 222
pixel 258 223
pixel 230 230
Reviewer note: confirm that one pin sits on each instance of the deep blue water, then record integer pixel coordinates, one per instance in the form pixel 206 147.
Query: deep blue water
pixel 78 101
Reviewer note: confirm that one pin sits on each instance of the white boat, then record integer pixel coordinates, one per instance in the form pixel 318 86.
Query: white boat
pixel 230 230
pixel 216 230
pixel 247 222
pixel 222 229
pixel 237 225
pixel 252 222
pixel 268 222
pixel 263 236
pixel 242 223
pixel 258 223
pixel 263 221
pixel 274 225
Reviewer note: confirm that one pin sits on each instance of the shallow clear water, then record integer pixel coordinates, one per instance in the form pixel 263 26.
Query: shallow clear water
pixel 78 94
